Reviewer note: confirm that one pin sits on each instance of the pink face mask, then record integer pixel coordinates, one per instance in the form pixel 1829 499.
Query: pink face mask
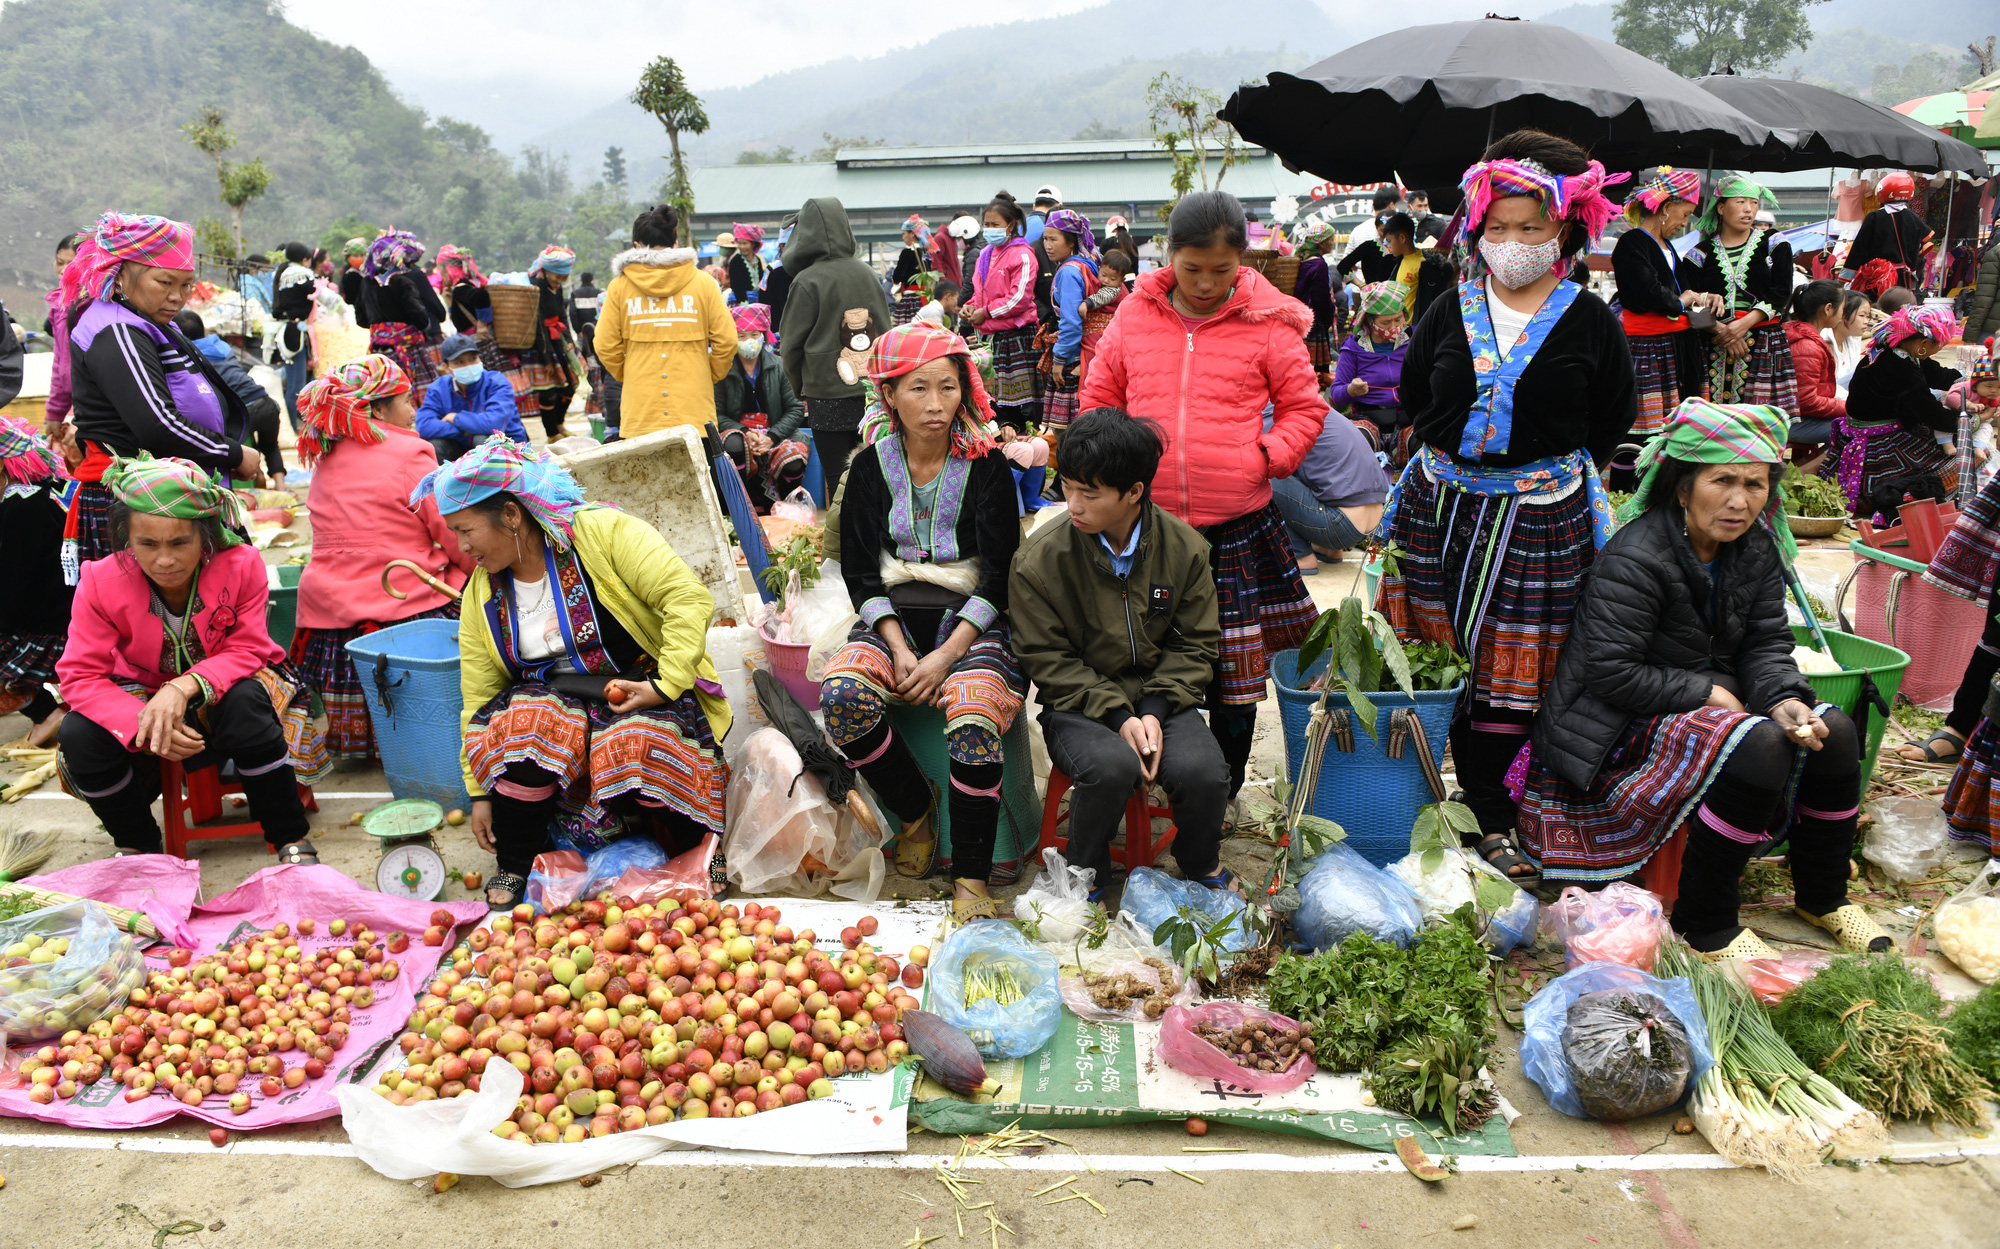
pixel 1515 264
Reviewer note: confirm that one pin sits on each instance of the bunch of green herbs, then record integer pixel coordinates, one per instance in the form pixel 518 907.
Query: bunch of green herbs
pixel 1975 1033
pixel 1812 496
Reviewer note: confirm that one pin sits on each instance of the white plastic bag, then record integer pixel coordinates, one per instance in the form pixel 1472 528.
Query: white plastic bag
pixel 737 651
pixel 821 611
pixel 798 506
pixel 1908 840
pixel 1058 900
pixel 1968 926
pixel 1450 886
pixel 786 838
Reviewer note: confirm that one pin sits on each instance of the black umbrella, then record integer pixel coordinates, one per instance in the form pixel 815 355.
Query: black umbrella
pixel 789 716
pixel 1834 129
pixel 1424 102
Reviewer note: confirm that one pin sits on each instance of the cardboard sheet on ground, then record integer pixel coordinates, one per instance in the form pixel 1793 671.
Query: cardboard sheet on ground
pixel 1103 1074
pixel 865 1114
pixel 274 894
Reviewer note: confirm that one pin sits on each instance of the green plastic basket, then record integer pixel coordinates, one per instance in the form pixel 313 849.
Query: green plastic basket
pixel 282 615
pixel 922 730
pixel 1858 657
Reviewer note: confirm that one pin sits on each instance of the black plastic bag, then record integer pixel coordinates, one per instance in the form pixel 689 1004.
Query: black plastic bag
pixel 1628 1055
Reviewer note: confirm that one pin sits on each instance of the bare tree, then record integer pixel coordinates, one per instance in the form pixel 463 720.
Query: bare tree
pixel 1983 55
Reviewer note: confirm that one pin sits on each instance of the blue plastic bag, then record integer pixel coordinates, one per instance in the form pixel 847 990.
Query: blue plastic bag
pixel 1542 1055
pixel 1012 1031
pixel 560 877
pixel 1152 898
pixel 1344 894
pixel 603 868
pixel 1514 926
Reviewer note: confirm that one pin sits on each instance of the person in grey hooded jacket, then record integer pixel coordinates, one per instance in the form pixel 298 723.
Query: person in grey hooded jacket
pixel 828 281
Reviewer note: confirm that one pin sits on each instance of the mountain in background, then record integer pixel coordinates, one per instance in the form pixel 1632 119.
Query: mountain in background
pixel 1038 79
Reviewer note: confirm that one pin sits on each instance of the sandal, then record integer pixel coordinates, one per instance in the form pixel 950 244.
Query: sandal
pixel 1503 854
pixel 916 856
pixel 512 886
pixel 1223 881
pixel 296 853
pixel 978 906
pixel 1853 926
pixel 1745 944
pixel 1929 748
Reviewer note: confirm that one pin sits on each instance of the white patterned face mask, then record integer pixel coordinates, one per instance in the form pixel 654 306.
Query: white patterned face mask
pixel 1514 264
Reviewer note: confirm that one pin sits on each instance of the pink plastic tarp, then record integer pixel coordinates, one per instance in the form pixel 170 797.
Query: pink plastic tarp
pixel 161 886
pixel 274 894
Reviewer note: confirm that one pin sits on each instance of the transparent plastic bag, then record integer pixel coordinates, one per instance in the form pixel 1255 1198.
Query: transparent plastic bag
pixel 1770 979
pixel 92 969
pixel 1441 891
pixel 1185 1052
pixel 1057 901
pixel 820 610
pixel 1152 898
pixel 683 875
pixel 737 650
pixel 798 506
pixel 984 948
pixel 605 865
pixel 1968 926
pixel 1620 923
pixel 1544 1057
pixel 781 827
pixel 1343 894
pixel 1907 839
pixel 1146 980
pixel 555 880
pixel 1627 1054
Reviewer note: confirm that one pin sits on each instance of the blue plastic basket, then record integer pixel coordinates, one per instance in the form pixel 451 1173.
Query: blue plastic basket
pixel 1375 798
pixel 416 729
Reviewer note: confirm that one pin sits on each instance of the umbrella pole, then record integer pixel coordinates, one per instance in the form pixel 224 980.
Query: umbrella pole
pixel 1491 109
pixel 1944 245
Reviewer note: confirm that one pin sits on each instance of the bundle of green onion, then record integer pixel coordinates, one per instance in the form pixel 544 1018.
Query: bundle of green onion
pixel 1760 1105
pixel 995 982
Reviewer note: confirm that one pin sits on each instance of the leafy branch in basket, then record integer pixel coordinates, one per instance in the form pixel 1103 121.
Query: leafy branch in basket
pixel 1366 657
pixel 801 555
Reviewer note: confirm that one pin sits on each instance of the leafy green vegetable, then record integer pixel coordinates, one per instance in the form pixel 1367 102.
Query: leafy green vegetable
pixel 14 904
pixel 801 556
pixel 1812 496
pixel 1975 1033
pixel 1366 658
pixel 1435 1074
pixel 1194 940
pixel 1444 826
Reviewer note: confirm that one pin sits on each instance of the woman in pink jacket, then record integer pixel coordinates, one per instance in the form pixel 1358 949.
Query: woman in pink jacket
pixel 361 440
pixel 168 658
pixel 1003 307
pixel 1201 348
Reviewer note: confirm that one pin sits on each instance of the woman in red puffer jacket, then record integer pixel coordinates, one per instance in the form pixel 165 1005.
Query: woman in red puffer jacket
pixel 1815 306
pixel 1202 348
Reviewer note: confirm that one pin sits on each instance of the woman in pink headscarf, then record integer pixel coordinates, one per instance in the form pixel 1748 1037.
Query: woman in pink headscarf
pixel 136 383
pixel 758 413
pixel 744 267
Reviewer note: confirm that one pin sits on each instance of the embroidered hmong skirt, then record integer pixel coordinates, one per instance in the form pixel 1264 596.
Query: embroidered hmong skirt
pixel 1656 370
pixel 1972 803
pixel 1650 784
pixel 1764 376
pixel 1059 401
pixel 1014 375
pixel 907 306
pixel 415 350
pixel 1496 578
pixel 91 511
pixel 1261 599
pixel 320 658
pixel 665 756
pixel 27 662
pixel 1319 346
pixel 1388 431
pixel 513 365
pixel 599 379
pixel 1871 453
pixel 982 693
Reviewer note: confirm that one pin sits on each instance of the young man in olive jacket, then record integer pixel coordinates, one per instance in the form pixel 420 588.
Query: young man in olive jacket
pixel 1114 618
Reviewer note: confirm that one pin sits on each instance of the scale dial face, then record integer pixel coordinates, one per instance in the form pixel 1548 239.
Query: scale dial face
pixel 411 870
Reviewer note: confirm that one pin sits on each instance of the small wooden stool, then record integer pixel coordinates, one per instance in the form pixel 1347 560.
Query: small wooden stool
pixel 1139 849
pixel 193 799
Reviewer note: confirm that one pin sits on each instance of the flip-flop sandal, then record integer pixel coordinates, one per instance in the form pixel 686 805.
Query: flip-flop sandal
pixel 915 857
pixel 1853 926
pixel 1503 854
pixel 297 853
pixel 514 886
pixel 1928 746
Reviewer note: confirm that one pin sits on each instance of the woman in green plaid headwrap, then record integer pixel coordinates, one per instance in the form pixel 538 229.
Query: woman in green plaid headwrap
pixel 1750 360
pixel 1677 706
pixel 1367 381
pixel 168 658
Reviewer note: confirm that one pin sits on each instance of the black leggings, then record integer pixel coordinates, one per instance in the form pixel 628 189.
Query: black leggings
pixel 1969 705
pixel 524 809
pixel 264 428
pixel 1734 818
pixel 1484 741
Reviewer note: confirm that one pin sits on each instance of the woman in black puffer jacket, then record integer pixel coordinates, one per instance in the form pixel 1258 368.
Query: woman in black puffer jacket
pixel 1676 701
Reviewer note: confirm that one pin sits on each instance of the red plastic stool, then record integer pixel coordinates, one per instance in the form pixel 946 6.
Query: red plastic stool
pixel 193 799
pixel 1662 873
pixel 1139 849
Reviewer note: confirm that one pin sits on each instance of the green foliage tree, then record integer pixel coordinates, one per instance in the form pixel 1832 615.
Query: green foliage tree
pixel 348 227
pixel 831 145
pixel 1183 117
pixel 780 155
pixel 1927 73
pixel 239 181
pixel 1696 37
pixel 663 92
pixel 614 168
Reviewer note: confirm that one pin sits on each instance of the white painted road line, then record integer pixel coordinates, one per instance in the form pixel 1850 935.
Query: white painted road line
pixel 1328 1164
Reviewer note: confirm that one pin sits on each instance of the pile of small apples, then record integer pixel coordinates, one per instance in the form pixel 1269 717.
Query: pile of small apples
pixel 262 1010
pixel 621 1019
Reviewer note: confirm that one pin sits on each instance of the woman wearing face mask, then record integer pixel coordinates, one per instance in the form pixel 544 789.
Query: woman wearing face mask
pixel 929 528
pixel 360 438
pixel 1519 387
pixel 1002 307
pixel 1749 359
pixel 1204 347
pixel 1676 703
pixel 1894 414
pixel 589 695
pixel 1667 357
pixel 1366 382
pixel 135 382
pixel 757 412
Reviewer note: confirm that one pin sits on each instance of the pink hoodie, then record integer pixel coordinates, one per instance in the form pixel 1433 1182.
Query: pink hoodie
pixel 114 636
pixel 1006 289
pixel 1207 387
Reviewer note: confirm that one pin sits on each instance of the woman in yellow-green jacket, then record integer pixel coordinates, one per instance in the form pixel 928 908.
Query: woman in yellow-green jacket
pixel 589 696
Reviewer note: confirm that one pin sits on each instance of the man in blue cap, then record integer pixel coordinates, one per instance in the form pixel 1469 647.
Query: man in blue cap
pixel 461 409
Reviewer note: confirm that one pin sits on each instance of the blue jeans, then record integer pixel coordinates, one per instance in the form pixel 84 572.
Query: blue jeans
pixel 297 373
pixel 1310 523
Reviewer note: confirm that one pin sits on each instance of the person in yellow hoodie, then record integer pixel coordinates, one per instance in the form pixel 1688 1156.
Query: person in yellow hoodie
pixel 664 332
pixel 588 692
